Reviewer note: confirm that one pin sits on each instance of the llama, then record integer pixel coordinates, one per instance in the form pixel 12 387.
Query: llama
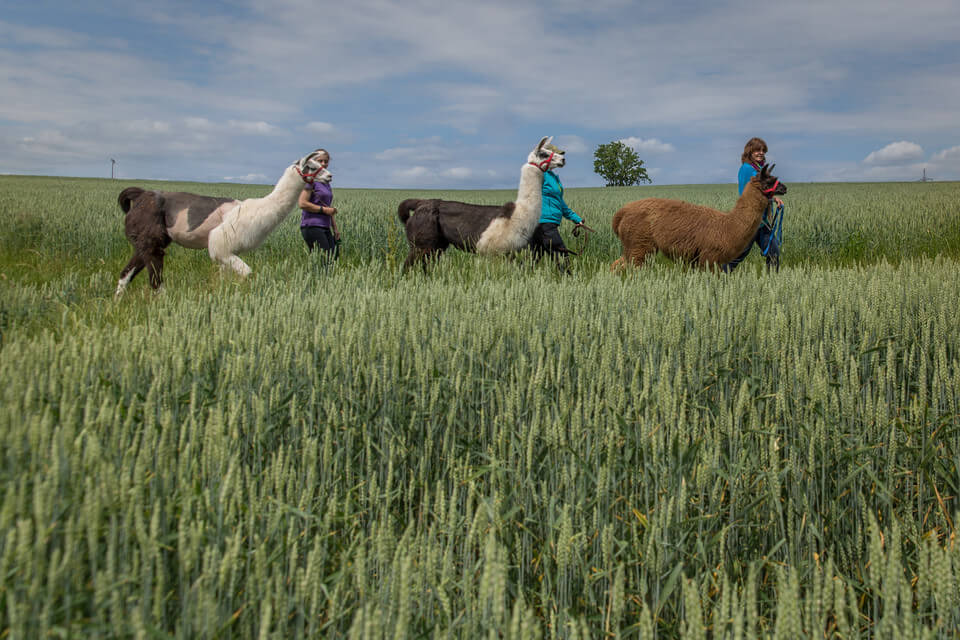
pixel 434 225
pixel 692 233
pixel 224 226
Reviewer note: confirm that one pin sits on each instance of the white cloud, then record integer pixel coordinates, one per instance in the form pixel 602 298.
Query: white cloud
pixel 457 173
pixel 895 153
pixel 950 156
pixel 571 143
pixel 651 145
pixel 250 178
pixel 253 128
pixel 323 128
pixel 144 127
pixel 201 124
pixel 412 176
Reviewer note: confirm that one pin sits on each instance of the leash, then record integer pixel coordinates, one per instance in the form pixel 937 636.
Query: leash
pixel 576 233
pixel 776 226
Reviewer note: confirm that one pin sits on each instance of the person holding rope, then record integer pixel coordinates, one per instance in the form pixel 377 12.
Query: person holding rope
pixel 753 158
pixel 546 238
pixel 318 223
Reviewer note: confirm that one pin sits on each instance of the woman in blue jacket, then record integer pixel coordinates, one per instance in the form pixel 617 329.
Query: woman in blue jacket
pixel 753 158
pixel 546 238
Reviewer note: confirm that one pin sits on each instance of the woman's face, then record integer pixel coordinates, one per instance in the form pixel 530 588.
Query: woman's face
pixel 759 157
pixel 324 160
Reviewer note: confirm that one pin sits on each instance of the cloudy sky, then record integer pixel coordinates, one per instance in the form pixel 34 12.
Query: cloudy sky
pixel 452 94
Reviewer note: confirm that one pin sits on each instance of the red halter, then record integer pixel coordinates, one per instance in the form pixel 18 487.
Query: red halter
pixel 543 166
pixel 769 191
pixel 308 176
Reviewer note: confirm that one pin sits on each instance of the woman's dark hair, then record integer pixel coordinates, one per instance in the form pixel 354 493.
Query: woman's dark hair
pixel 323 150
pixel 753 144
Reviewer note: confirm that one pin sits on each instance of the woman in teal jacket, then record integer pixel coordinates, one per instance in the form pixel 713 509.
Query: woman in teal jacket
pixel 546 238
pixel 753 158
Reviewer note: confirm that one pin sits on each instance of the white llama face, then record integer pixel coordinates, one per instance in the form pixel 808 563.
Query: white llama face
pixel 312 168
pixel 546 158
pixel 324 176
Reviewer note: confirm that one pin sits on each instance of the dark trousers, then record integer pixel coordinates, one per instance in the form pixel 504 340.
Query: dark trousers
pixel 546 241
pixel 763 238
pixel 320 238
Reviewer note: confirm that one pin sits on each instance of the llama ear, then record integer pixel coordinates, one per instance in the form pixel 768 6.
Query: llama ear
pixel 544 140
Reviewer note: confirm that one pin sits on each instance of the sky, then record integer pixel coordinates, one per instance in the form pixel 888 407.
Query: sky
pixel 453 95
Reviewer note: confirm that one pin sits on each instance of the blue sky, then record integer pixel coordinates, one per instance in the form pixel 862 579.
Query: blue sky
pixel 450 94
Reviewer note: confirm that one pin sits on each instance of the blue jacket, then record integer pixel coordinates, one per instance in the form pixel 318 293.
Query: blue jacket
pixel 747 171
pixel 554 207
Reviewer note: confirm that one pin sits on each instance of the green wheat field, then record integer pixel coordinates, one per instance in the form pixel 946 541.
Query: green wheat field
pixel 490 449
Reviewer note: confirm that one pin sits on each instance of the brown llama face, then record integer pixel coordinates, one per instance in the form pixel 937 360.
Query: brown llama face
pixel 769 184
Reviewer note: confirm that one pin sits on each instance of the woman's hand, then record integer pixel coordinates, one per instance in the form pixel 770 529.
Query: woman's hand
pixel 778 201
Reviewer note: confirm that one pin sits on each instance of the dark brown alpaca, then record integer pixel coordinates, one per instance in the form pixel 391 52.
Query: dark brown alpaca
pixel 692 233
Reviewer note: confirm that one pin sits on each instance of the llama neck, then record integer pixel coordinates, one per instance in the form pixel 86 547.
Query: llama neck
pixel 527 209
pixel 746 215
pixel 279 202
pixel 513 232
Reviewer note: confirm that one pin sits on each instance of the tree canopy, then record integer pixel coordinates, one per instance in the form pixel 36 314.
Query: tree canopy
pixel 619 165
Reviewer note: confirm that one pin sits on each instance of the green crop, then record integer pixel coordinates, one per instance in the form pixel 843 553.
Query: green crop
pixel 488 449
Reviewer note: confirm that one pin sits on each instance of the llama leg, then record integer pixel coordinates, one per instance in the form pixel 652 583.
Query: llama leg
pixel 239 266
pixel 219 251
pixel 412 257
pixel 155 268
pixel 421 256
pixel 129 273
pixel 638 251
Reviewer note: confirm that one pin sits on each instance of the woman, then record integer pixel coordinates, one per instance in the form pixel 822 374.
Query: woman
pixel 753 158
pixel 546 237
pixel 318 224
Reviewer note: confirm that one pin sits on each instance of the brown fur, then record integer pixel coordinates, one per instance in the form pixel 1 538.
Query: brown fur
pixel 692 233
pixel 146 229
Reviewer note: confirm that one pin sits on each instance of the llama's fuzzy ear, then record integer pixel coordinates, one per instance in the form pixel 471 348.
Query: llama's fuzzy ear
pixel 544 140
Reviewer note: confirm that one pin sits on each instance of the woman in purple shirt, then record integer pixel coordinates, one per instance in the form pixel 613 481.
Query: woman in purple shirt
pixel 318 224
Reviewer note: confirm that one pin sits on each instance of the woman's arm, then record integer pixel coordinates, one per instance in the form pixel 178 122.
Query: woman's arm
pixel 304 203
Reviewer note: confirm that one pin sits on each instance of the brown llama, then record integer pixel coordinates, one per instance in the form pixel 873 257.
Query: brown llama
pixel 693 233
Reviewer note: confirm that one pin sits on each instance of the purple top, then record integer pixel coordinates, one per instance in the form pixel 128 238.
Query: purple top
pixel 322 195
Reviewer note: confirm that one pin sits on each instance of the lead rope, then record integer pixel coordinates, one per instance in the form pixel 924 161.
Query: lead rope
pixel 776 227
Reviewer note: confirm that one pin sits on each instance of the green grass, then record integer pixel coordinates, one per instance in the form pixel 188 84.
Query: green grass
pixel 490 448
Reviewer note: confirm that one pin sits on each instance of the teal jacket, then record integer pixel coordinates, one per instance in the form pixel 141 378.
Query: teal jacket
pixel 554 208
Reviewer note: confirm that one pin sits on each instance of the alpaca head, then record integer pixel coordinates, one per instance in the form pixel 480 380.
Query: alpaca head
pixel 545 156
pixel 310 168
pixel 768 183
pixel 324 176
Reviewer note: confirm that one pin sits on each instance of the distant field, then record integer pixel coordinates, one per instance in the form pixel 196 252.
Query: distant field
pixel 488 450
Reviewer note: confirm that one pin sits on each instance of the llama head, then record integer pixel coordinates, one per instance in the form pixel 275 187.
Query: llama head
pixel 768 183
pixel 310 168
pixel 324 176
pixel 545 156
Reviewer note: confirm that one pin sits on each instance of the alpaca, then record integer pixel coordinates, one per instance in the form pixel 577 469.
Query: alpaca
pixel 224 226
pixel 434 225
pixel 692 233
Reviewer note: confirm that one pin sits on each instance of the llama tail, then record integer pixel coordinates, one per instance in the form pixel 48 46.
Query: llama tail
pixel 403 211
pixel 617 217
pixel 127 196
